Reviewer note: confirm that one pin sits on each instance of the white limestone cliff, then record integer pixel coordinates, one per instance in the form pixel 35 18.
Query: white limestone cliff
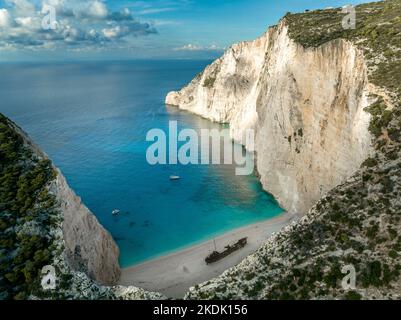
pixel 306 106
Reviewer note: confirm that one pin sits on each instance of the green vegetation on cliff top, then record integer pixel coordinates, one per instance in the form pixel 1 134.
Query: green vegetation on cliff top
pixel 377 33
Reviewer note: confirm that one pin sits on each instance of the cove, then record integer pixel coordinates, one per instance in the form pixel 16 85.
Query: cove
pixel 92 118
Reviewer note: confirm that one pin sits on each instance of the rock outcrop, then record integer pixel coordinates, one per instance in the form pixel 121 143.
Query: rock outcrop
pixel 306 106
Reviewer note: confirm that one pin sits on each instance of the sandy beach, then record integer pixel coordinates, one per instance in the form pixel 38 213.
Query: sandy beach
pixel 175 273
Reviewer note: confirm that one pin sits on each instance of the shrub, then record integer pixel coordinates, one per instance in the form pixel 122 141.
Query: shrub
pixel 209 82
pixel 393 254
pixel 370 162
pixel 352 295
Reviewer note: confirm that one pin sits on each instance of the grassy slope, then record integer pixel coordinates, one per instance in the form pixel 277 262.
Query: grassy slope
pixel 358 223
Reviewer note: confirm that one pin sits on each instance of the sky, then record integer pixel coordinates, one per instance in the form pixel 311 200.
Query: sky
pixel 33 30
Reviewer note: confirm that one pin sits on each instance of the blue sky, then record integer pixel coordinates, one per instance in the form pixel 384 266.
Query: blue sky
pixel 106 29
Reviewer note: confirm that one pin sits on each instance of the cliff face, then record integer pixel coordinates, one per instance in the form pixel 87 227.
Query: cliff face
pixel 227 89
pixel 88 246
pixel 43 223
pixel 315 98
pixel 305 105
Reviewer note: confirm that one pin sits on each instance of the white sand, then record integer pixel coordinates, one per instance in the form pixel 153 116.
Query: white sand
pixel 175 273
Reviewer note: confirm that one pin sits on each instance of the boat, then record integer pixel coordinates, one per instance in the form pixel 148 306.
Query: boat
pixel 216 256
pixel 115 212
pixel 175 178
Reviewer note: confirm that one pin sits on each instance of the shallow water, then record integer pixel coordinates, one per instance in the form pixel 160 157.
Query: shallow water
pixel 91 118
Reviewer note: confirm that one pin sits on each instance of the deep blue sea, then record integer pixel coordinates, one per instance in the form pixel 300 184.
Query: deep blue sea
pixel 91 118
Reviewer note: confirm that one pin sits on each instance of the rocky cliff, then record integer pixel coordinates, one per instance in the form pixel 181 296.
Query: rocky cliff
pixel 43 222
pixel 88 246
pixel 323 88
pixel 306 106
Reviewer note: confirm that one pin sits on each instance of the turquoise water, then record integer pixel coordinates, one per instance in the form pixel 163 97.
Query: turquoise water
pixel 92 120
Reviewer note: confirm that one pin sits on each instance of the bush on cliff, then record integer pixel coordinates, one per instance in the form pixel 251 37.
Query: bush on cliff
pixel 26 215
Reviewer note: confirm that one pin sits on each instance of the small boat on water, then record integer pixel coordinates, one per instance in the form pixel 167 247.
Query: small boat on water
pixel 175 177
pixel 115 212
pixel 216 256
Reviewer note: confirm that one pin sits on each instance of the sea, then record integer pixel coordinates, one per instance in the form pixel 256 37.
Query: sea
pixel 92 118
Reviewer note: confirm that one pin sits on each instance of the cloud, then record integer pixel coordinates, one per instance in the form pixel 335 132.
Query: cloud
pixel 194 47
pixel 80 23
pixel 123 15
pixel 23 7
pixel 97 10
pixel 155 10
pixel 163 22
pixel 5 18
